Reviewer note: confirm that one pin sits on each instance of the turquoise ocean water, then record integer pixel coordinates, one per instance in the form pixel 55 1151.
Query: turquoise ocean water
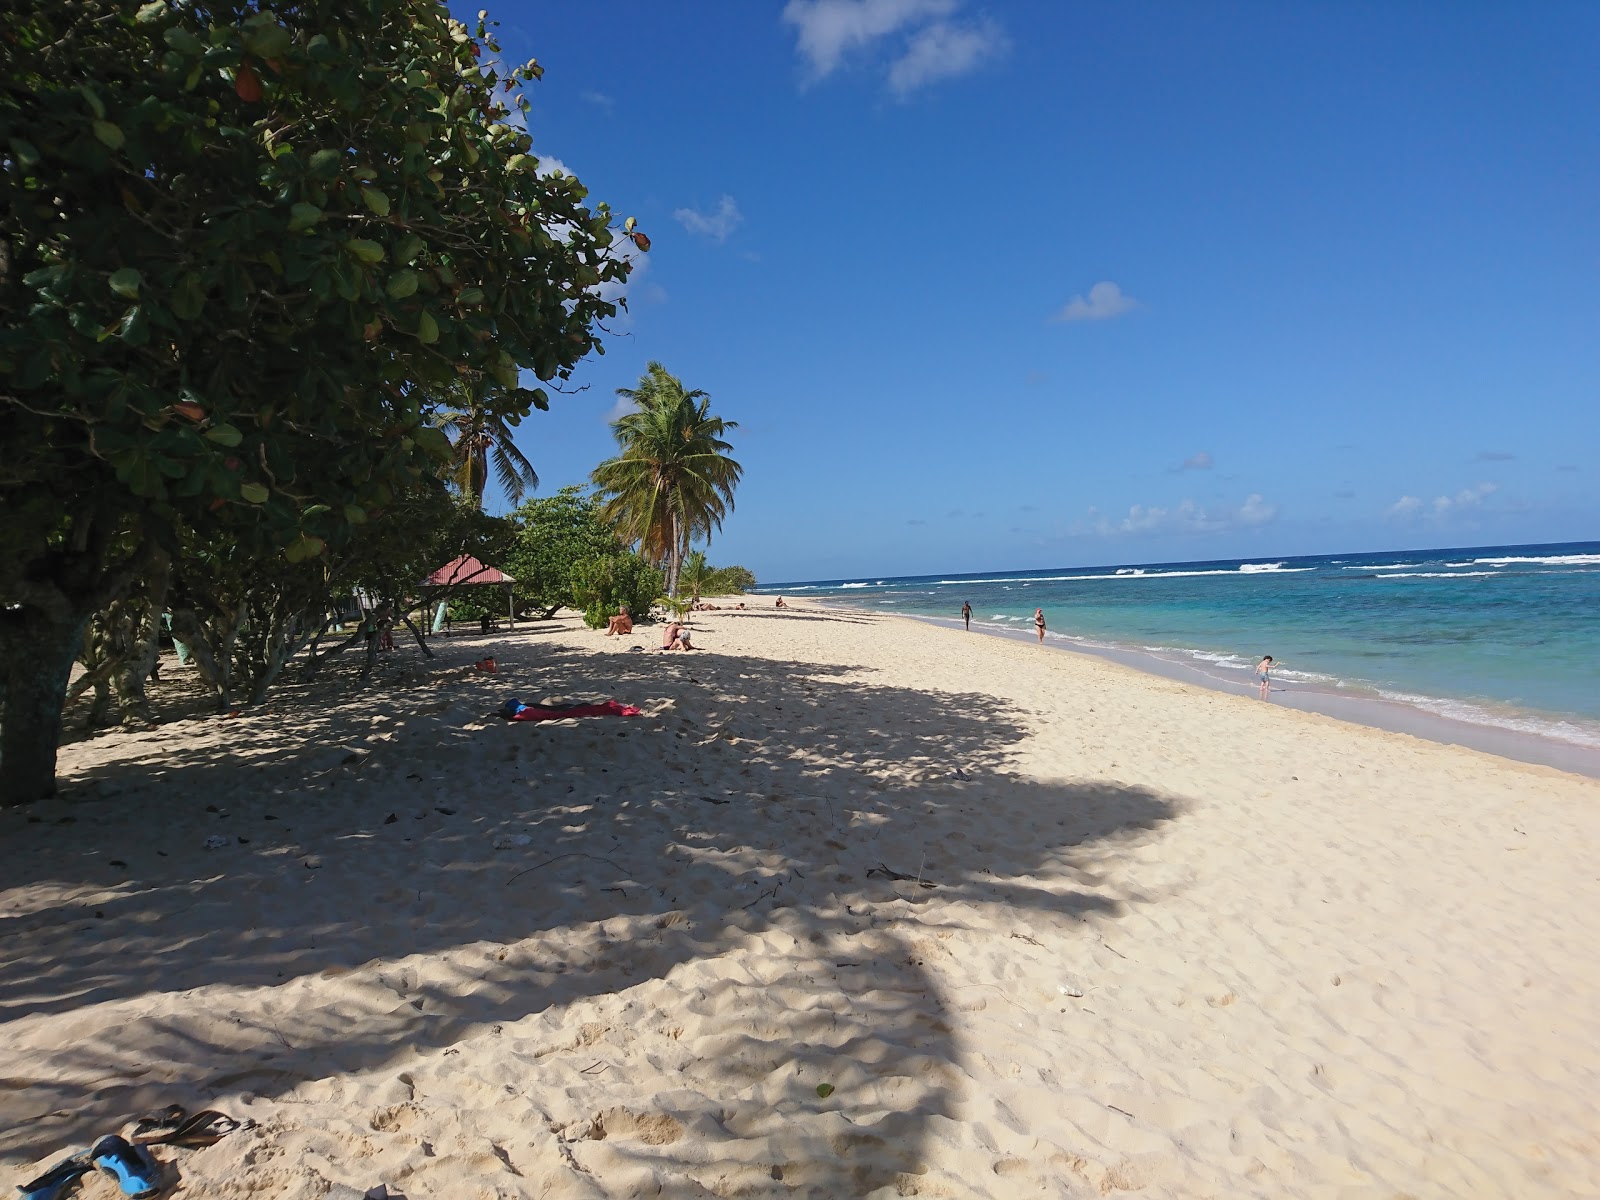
pixel 1502 637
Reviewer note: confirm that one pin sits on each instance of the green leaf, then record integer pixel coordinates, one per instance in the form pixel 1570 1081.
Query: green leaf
pixel 271 41
pixel 366 250
pixel 303 547
pixel 410 246
pixel 470 297
pixel 136 326
pixel 225 435
pixel 255 493
pixel 183 41
pixel 321 49
pixel 433 442
pixel 427 329
pixel 151 12
pixel 303 216
pixel 520 162
pixel 316 510
pixel 96 105
pixel 27 153
pixel 355 514
pixel 376 201
pixel 325 162
pixel 110 136
pixel 402 284
pixel 824 1090
pixel 125 283
pixel 189 297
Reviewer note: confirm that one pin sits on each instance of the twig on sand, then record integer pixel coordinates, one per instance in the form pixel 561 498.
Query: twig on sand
pixel 888 873
pixel 1023 937
pixel 1117 952
pixel 1123 1111
pixel 558 858
pixel 596 1068
pixel 773 891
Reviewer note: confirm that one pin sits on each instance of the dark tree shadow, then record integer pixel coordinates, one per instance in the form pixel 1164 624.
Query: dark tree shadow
pixel 340 777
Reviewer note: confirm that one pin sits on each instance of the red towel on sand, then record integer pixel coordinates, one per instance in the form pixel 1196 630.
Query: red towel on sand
pixel 610 708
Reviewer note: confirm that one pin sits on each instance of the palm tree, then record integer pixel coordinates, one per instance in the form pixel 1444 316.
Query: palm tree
pixel 480 437
pixel 673 481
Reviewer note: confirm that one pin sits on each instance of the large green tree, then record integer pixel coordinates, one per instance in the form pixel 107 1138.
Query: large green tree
pixel 239 249
pixel 554 535
pixel 673 481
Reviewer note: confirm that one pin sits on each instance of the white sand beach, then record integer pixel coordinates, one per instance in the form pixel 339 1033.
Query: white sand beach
pixel 858 907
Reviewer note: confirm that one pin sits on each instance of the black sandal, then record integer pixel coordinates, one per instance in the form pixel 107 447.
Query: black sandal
pixel 174 1126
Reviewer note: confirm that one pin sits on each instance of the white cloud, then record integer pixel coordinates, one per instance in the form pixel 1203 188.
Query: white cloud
pixel 620 409
pixel 1199 461
pixel 944 51
pixel 716 225
pixel 600 100
pixel 1104 301
pixel 828 30
pixel 549 164
pixel 1184 517
pixel 1411 507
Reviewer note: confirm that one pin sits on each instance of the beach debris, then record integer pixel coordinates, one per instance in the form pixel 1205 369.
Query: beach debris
pixel 1123 1111
pixel 216 842
pixel 1070 989
pixel 117 862
pixel 824 1090
pixel 509 841
pixel 714 800
pixel 1029 938
pixel 391 819
pixel 960 774
pixel 882 872
pixel 444 812
pixel 313 862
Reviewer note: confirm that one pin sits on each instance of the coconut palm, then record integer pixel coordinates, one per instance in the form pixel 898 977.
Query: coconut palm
pixel 480 438
pixel 673 481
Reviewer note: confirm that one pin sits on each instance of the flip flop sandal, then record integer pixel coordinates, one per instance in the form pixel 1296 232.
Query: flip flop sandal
pixel 58 1178
pixel 175 1127
pixel 136 1172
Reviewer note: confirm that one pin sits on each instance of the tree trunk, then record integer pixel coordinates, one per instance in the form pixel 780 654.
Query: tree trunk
pixel 144 637
pixel 38 657
pixel 675 555
pixel 417 633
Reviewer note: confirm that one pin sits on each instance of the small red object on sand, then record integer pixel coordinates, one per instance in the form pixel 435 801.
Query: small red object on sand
pixel 485 664
pixel 515 710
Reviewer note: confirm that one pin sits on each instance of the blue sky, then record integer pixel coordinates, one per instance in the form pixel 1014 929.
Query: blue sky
pixel 1023 284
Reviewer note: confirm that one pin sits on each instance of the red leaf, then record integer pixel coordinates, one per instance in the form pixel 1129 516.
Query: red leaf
pixel 247 84
pixel 640 241
pixel 189 410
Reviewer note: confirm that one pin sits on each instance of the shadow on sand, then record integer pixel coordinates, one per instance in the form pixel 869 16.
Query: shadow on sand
pixel 406 784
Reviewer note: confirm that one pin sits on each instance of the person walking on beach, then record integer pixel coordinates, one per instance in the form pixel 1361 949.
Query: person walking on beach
pixel 966 615
pixel 1264 674
pixel 1038 623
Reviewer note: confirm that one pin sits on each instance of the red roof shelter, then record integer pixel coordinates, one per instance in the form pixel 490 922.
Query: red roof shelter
pixel 466 571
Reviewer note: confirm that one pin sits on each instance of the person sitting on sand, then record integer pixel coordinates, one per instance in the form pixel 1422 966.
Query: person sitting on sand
pixel 621 624
pixel 675 637
pixel 1264 675
pixel 1038 622
pixel 780 603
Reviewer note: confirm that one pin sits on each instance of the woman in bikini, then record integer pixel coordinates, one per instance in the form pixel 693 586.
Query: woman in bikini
pixel 1038 622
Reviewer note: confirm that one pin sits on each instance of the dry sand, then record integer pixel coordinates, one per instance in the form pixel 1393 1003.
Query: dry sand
pixel 1177 943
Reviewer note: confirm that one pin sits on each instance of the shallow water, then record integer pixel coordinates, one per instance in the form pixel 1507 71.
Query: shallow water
pixel 1504 637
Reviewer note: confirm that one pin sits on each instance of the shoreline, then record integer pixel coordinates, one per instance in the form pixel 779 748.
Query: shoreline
pixel 1372 712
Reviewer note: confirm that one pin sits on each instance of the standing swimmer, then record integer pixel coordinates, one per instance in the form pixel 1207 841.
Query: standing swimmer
pixel 1264 674
pixel 1038 623
pixel 966 615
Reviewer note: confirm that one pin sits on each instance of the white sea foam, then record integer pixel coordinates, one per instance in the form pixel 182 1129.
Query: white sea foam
pixel 1389 567
pixel 842 586
pixel 1438 575
pixel 1118 575
pixel 1461 710
pixel 1554 560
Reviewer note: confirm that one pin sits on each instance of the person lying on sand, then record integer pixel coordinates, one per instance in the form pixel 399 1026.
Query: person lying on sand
pixel 621 624
pixel 675 637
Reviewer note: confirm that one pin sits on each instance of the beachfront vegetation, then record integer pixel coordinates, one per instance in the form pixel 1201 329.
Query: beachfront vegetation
pixel 602 587
pixel 554 535
pixel 243 257
pixel 673 481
